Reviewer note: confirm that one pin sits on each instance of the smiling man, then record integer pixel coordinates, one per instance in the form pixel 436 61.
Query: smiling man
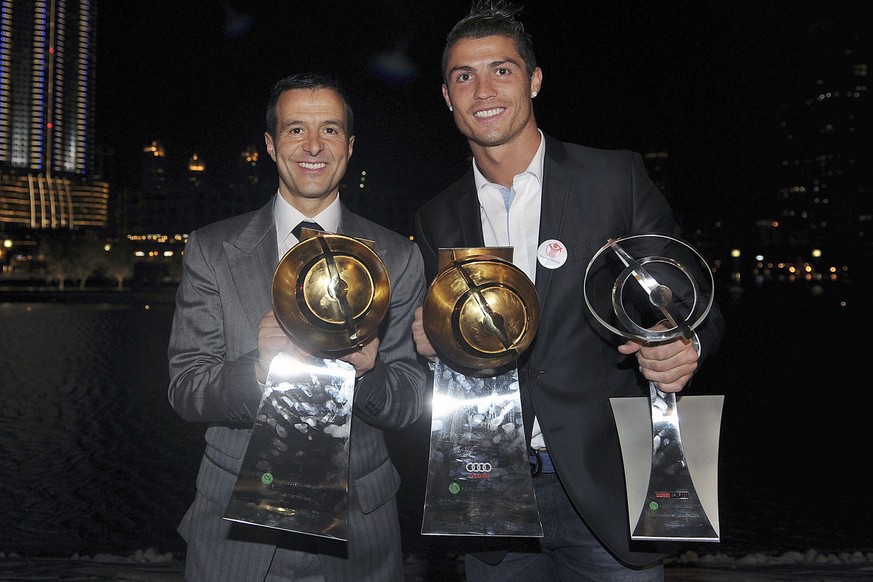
pixel 225 336
pixel 555 204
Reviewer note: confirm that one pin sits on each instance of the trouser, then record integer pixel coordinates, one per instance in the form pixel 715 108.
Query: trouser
pixel 568 551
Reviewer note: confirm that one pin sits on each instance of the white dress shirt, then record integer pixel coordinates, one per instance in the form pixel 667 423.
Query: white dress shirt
pixel 287 217
pixel 512 219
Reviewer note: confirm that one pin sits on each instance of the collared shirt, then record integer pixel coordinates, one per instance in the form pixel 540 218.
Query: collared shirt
pixel 512 218
pixel 287 217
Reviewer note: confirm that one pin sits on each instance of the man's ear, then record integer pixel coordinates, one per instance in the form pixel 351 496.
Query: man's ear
pixel 446 97
pixel 268 140
pixel 536 81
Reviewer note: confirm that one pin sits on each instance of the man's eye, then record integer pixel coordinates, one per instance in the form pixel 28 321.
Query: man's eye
pixel 330 130
pixel 295 130
pixel 464 77
pixel 502 71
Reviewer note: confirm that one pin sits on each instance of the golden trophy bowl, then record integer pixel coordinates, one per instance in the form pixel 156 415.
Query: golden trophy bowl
pixel 481 311
pixel 330 293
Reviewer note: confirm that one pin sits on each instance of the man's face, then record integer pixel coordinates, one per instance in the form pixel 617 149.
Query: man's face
pixel 311 148
pixel 489 91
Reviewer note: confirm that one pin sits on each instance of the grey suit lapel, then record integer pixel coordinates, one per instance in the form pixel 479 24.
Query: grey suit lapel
pixel 252 257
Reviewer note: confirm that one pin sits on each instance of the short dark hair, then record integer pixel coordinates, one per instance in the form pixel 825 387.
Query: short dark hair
pixel 307 81
pixel 492 18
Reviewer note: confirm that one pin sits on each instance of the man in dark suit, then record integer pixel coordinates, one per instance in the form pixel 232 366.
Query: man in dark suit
pixel 556 204
pixel 225 335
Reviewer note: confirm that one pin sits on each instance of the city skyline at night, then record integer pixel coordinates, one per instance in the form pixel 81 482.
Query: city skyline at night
pixel 715 97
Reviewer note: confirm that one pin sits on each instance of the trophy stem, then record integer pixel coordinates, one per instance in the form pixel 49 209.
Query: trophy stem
pixel 672 508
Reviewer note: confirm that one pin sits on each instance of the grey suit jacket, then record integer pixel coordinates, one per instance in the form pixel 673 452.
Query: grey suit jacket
pixel 572 368
pixel 225 290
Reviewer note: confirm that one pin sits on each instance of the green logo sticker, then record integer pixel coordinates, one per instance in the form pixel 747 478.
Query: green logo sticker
pixel 653 505
pixel 454 488
pixel 267 478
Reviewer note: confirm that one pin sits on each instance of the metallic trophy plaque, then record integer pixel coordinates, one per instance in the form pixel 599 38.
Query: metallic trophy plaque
pixel 295 472
pixel 631 284
pixel 480 313
pixel 330 293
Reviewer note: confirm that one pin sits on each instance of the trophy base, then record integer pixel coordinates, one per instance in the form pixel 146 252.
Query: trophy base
pixel 478 479
pixel 675 501
pixel 295 473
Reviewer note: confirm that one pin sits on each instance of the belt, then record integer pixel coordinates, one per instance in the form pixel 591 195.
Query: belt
pixel 540 462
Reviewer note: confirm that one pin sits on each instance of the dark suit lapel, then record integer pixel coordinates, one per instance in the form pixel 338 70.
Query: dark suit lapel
pixel 252 257
pixel 557 180
pixel 468 216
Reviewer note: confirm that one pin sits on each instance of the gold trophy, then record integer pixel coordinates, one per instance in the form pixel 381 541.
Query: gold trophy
pixel 330 293
pixel 481 312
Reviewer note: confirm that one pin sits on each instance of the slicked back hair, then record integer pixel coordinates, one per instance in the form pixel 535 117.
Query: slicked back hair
pixel 492 18
pixel 307 81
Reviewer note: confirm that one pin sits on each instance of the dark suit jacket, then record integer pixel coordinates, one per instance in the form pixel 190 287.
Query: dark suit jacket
pixel 572 368
pixel 225 291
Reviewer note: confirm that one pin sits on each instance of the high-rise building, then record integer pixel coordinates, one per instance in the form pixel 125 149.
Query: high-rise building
pixel 821 226
pixel 47 91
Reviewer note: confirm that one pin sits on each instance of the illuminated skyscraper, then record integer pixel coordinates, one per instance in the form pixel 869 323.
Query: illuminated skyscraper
pixel 47 54
pixel 826 190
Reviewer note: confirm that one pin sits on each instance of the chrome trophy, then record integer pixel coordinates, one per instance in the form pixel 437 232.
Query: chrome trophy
pixel 631 285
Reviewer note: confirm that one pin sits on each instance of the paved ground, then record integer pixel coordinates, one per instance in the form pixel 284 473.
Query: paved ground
pixel 50 570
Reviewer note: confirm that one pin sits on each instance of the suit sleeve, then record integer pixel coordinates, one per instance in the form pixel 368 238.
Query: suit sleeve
pixel 391 396
pixel 204 386
pixel 652 214
pixel 426 247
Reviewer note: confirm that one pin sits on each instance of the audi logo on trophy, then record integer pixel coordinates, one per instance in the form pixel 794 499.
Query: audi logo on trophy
pixel 478 467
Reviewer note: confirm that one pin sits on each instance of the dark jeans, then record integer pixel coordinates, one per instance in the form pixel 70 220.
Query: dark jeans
pixel 567 552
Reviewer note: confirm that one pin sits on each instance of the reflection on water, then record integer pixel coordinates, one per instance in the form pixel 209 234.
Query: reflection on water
pixel 95 460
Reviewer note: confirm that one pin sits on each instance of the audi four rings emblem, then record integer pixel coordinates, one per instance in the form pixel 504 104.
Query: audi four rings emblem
pixel 478 467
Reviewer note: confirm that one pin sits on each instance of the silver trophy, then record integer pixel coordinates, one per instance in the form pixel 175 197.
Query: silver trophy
pixel 631 285
pixel 330 293
pixel 480 312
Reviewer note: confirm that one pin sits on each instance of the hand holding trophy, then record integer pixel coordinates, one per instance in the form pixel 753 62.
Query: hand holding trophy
pixel 634 287
pixel 330 293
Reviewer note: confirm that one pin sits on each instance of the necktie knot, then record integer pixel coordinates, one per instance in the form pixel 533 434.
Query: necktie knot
pixel 305 224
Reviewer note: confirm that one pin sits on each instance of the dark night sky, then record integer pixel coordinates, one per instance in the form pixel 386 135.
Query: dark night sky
pixel 702 79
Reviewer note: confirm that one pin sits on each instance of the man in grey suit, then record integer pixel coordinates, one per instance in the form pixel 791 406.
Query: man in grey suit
pixel 556 204
pixel 225 335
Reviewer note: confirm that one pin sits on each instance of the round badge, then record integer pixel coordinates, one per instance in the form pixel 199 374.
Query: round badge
pixel 552 254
